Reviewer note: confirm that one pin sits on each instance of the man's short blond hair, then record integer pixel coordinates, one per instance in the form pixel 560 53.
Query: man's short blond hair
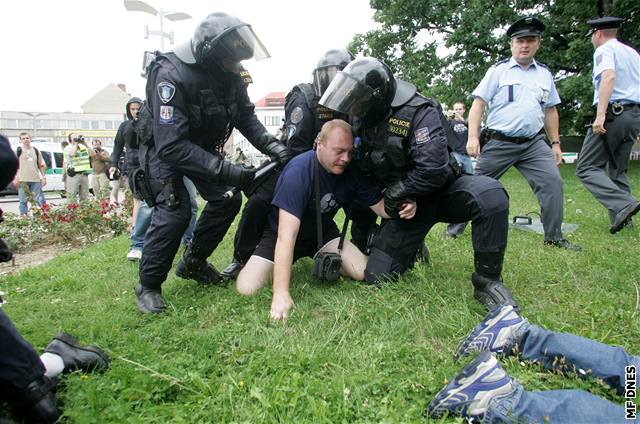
pixel 332 125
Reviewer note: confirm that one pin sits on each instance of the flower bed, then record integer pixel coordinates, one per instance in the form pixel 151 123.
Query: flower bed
pixel 73 223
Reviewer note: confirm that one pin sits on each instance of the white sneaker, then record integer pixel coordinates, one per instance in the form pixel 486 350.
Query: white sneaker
pixel 134 255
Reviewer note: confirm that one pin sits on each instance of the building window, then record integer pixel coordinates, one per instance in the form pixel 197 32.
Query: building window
pixel 10 123
pixel 85 125
pixel 95 125
pixel 272 121
pixel 108 125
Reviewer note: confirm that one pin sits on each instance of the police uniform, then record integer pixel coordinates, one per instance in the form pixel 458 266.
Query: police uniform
pixel 194 112
pixel 405 146
pixel 604 158
pixel 517 98
pixel 412 146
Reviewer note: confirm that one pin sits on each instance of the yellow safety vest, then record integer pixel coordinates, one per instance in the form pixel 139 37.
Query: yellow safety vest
pixel 81 160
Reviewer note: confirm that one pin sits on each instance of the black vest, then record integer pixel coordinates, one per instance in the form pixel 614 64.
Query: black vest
pixel 211 101
pixel 321 114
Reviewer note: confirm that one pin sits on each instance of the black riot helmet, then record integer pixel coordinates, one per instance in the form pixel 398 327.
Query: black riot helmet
pixel 366 89
pixel 327 68
pixel 222 41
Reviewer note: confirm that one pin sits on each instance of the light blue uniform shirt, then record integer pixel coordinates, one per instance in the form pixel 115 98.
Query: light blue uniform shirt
pixel 517 97
pixel 626 63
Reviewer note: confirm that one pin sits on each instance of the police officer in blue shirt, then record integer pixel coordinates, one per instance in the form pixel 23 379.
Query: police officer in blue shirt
pixel 195 98
pixel 604 157
pixel 522 99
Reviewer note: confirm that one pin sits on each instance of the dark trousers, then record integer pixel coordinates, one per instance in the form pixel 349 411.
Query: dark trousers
pixel 481 200
pixel 19 363
pixel 168 223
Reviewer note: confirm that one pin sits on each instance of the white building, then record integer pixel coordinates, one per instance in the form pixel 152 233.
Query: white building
pixel 270 112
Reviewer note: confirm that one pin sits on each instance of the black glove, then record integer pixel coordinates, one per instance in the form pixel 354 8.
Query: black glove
pixel 278 152
pixel 394 196
pixel 236 175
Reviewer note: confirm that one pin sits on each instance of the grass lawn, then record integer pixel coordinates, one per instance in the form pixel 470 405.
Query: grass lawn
pixel 349 352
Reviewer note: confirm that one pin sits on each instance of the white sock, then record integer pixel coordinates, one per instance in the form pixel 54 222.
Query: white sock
pixel 53 364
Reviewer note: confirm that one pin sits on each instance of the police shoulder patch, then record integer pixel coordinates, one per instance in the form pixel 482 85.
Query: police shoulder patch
pixel 166 91
pixel 598 59
pixel 166 115
pixel 296 115
pixel 422 135
pixel 246 76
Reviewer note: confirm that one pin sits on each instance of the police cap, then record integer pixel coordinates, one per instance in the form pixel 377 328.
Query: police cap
pixel 607 22
pixel 526 27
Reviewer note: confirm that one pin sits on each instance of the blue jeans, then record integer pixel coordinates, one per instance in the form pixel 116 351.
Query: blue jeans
pixel 143 219
pixel 35 188
pixel 583 357
pixel 191 188
pixel 465 162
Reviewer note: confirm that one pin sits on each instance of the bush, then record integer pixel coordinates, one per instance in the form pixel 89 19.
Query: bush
pixel 72 223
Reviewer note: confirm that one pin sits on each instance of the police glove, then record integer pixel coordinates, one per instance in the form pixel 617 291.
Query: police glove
pixel 236 175
pixel 394 196
pixel 278 152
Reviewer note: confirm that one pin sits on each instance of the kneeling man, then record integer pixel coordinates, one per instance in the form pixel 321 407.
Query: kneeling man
pixel 292 233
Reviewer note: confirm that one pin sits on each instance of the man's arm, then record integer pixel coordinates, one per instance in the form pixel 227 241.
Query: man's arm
pixel 288 226
pixel 552 127
pixel 475 117
pixel 607 82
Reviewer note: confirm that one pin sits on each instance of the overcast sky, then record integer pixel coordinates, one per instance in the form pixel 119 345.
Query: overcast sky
pixel 57 54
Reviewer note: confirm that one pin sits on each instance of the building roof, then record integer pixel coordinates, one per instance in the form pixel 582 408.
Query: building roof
pixel 274 99
pixel 111 99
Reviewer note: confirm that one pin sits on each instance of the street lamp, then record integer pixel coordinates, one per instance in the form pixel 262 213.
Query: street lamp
pixel 35 115
pixel 140 6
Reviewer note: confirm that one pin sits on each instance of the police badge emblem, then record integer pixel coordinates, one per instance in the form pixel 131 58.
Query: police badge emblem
pixel 166 115
pixel 166 90
pixel 296 115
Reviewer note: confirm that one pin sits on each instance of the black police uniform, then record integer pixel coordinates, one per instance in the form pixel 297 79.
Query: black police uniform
pixel 127 140
pixel 194 112
pixel 412 145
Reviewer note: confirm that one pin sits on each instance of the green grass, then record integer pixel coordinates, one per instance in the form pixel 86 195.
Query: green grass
pixel 349 352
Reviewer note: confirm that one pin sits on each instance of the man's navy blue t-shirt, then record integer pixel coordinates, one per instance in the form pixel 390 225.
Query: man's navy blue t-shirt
pixel 295 193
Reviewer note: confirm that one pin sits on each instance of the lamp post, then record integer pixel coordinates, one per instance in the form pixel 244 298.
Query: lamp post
pixel 141 6
pixel 35 115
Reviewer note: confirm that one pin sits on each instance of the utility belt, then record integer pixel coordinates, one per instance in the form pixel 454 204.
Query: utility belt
pixel 150 188
pixel 489 134
pixel 617 108
pixel 71 172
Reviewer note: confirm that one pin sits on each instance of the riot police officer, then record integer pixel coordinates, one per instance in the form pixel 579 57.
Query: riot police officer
pixel 405 147
pixel 195 96
pixel 304 118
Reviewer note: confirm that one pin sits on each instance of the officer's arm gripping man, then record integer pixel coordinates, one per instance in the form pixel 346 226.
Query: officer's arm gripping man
pixel 430 156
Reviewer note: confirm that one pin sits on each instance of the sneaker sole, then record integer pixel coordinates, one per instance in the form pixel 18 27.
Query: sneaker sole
pixel 489 321
pixel 480 365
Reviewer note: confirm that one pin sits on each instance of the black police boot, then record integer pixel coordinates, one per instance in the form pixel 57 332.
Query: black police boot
pixel 489 289
pixel 422 255
pixel 77 357
pixel 149 300
pixel 194 267
pixel 232 270
pixel 37 403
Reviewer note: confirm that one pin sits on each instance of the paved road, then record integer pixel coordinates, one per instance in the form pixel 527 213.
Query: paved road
pixel 10 203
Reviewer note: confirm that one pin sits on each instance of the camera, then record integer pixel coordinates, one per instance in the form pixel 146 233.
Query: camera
pixel 79 139
pixel 326 266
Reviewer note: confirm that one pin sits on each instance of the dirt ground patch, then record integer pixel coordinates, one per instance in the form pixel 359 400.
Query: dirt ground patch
pixel 33 258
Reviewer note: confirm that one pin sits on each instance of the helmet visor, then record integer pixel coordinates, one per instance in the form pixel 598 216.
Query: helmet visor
pixel 347 95
pixel 240 44
pixel 322 77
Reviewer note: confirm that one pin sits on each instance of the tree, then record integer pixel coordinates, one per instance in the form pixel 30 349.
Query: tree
pixel 445 46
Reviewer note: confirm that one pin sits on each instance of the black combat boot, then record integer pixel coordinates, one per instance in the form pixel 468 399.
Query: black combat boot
pixel 193 266
pixel 489 288
pixel 149 299
pixel 37 403
pixel 233 269
pixel 77 357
